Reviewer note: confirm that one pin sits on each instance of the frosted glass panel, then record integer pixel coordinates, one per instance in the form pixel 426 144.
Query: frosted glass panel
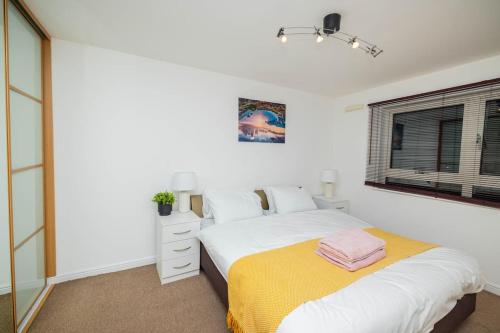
pixel 26 131
pixel 25 54
pixel 27 203
pixel 30 273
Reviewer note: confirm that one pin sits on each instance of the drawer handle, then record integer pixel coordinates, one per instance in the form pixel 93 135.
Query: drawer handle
pixel 340 207
pixel 182 233
pixel 183 266
pixel 182 250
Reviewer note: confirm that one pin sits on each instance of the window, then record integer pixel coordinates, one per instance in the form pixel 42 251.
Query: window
pixel 443 144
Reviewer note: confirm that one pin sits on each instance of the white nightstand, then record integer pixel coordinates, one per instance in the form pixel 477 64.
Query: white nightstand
pixel 335 202
pixel 177 246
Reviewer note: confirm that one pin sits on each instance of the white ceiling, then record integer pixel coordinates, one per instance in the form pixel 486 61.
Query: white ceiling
pixel 237 37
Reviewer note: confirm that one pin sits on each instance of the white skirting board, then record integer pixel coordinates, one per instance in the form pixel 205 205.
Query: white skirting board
pixel 492 288
pixel 102 270
pixel 5 289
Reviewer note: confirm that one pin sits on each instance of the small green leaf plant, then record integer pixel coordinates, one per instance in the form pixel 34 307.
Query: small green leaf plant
pixel 164 198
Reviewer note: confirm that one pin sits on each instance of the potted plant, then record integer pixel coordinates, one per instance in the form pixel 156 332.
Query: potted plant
pixel 165 201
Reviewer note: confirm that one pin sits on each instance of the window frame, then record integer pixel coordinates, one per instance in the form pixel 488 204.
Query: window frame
pixel 469 174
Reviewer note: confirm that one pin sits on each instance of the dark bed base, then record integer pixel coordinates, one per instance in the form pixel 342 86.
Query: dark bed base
pixel 464 307
pixel 214 276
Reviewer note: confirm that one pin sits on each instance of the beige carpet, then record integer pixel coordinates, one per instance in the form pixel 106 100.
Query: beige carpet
pixel 134 301
pixel 6 313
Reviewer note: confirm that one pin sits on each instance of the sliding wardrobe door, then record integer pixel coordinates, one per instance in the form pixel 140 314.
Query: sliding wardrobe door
pixel 26 158
pixel 6 304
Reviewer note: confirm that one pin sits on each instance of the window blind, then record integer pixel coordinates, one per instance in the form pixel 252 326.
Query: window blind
pixel 443 144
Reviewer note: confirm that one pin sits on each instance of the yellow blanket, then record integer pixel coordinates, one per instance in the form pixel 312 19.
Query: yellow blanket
pixel 265 287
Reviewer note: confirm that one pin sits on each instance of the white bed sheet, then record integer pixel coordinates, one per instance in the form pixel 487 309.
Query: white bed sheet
pixel 227 243
pixel 408 296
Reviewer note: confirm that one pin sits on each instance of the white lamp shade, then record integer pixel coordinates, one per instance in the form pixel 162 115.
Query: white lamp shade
pixel 329 176
pixel 183 181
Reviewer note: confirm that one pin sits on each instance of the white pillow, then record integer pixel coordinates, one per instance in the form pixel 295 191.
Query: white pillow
pixel 270 200
pixel 206 209
pixel 227 206
pixel 292 199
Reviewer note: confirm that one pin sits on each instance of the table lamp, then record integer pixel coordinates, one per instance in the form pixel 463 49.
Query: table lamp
pixel 183 182
pixel 328 177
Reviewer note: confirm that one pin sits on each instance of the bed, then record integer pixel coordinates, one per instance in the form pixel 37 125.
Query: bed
pixel 437 297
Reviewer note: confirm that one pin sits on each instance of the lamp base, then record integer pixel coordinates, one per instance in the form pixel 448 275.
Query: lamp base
pixel 184 204
pixel 328 190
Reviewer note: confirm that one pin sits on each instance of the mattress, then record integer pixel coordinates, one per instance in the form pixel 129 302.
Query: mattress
pixel 408 296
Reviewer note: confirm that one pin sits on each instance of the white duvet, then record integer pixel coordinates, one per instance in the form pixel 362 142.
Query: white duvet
pixel 408 296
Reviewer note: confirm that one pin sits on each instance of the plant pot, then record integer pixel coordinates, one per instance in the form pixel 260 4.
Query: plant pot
pixel 164 210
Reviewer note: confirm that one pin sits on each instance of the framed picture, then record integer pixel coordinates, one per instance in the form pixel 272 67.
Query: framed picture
pixel 397 136
pixel 260 121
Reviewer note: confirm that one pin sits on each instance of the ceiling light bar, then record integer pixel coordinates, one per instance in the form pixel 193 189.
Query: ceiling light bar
pixel 331 28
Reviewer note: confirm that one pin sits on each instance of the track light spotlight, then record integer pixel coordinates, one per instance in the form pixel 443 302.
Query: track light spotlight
pixel 281 35
pixel 319 38
pixel 355 43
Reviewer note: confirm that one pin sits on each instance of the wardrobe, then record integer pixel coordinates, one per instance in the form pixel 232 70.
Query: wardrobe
pixel 27 250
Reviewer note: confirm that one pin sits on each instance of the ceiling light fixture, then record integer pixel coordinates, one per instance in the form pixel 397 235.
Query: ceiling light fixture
pixel 331 28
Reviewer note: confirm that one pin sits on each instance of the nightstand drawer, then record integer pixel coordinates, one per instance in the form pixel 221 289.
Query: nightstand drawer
pixel 178 218
pixel 180 248
pixel 342 206
pixel 180 265
pixel 331 203
pixel 180 231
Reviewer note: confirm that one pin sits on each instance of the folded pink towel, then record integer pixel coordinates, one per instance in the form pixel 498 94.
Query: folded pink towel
pixel 354 266
pixel 340 256
pixel 351 245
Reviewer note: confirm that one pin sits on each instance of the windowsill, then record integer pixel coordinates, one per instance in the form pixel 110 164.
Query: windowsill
pixel 430 197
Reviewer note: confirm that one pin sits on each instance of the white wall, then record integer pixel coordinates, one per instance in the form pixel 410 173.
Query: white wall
pixel 123 124
pixel 473 229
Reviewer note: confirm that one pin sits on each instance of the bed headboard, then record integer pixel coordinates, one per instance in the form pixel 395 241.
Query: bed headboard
pixel 197 202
